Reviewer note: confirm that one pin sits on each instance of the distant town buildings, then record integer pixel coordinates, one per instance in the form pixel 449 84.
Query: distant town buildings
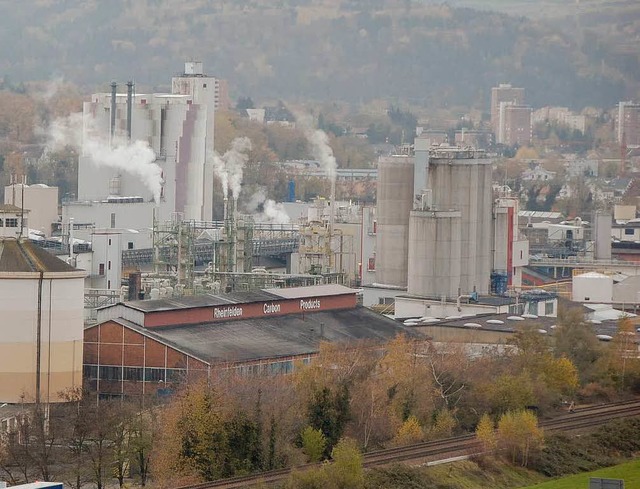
pixel 629 123
pixel 504 93
pixel 515 127
pixel 562 116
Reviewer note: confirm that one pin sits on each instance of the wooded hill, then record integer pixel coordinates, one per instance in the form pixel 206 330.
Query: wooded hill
pixel 423 53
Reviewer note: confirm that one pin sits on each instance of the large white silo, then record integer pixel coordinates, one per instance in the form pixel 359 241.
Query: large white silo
pixel 464 184
pixel 42 301
pixel 434 253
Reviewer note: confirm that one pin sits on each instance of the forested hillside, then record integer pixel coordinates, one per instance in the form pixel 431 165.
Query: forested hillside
pixel 353 50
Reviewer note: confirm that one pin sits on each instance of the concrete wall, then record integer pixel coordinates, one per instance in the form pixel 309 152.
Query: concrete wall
pixel 106 266
pixel 133 216
pixel 203 91
pixel 395 201
pixel 62 302
pixel 434 253
pixel 627 291
pixel 40 200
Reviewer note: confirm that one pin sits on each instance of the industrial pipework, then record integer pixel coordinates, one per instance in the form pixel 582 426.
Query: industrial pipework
pixel 129 107
pixel 113 109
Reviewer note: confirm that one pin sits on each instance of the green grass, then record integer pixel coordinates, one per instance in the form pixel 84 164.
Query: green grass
pixel 629 471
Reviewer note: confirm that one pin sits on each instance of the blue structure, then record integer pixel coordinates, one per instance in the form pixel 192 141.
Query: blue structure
pixel 292 191
pixel 499 281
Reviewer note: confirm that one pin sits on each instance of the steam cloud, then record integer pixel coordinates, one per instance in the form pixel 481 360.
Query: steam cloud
pixel 230 166
pixel 272 212
pixel 319 145
pixel 136 158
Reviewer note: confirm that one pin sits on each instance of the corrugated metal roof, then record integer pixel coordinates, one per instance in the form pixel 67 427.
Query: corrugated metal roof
pixel 540 214
pixel 263 338
pixel 23 256
pixel 311 291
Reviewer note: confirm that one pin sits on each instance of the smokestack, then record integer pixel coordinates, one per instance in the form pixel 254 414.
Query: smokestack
pixel 113 109
pixel 129 107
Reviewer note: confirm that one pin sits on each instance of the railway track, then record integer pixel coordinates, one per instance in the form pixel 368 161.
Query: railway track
pixel 431 451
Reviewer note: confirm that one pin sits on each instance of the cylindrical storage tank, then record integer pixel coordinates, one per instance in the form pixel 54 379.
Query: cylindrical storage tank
pixel 395 201
pixel 434 253
pixel 464 184
pixel 42 301
pixel 592 287
pixel 602 235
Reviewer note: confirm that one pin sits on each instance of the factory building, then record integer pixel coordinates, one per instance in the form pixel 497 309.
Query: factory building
pixel 40 199
pixel 440 235
pixel 118 187
pixel 140 347
pixel 13 221
pixel 42 302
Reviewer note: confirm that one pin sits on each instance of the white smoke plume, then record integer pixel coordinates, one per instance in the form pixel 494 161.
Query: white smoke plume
pixel 274 212
pixel 230 166
pixel 220 171
pixel 319 145
pixel 136 158
pixel 271 211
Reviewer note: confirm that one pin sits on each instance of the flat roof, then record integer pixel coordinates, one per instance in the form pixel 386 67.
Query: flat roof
pixel 284 336
pixel 487 300
pixel 311 291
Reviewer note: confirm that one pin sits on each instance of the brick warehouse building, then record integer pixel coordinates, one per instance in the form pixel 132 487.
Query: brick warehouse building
pixel 139 347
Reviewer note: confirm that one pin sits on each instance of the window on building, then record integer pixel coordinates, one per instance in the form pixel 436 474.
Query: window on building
pixel 1 223
pixel 133 373
pixel 113 221
pixel 130 245
pixel 11 222
pixel 110 373
pixel 154 374
pixel 101 269
pixel 371 265
pixel 176 375
pixel 548 308
pixel 91 372
pixel 109 265
pixel 204 85
pixel 628 231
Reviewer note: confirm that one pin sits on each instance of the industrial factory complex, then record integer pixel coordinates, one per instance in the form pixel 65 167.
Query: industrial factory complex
pixel 149 291
pixel 140 346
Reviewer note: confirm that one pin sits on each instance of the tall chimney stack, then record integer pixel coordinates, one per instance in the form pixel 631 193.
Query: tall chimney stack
pixel 129 107
pixel 113 109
